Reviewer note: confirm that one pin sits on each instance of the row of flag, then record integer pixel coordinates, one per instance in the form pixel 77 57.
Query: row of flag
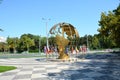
pixel 73 50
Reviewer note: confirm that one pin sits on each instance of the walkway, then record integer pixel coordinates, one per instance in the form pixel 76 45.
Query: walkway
pixel 93 67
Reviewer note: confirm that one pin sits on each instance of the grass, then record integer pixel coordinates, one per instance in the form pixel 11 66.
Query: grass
pixel 6 68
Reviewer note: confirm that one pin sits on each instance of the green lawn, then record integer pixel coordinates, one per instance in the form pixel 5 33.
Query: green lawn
pixel 6 68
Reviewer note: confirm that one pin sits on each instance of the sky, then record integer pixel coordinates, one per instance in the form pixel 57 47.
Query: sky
pixel 19 17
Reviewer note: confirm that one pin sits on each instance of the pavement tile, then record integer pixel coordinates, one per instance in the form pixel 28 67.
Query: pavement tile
pixel 23 79
pixel 24 76
pixel 24 72
pixel 105 77
pixel 8 73
pixel 78 76
pixel 39 71
pixel 39 75
pixel 44 78
pixel 93 74
pixel 10 77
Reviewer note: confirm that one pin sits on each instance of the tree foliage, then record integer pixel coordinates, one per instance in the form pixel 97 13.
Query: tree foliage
pixel 1 1
pixel 110 25
pixel 95 43
pixel 3 47
pixel 12 43
pixel 26 42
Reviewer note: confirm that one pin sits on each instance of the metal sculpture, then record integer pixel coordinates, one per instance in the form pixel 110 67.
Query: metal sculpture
pixel 62 32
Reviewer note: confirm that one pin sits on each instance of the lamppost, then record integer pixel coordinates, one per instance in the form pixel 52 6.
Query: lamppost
pixel 87 43
pixel 47 45
pixel 46 30
pixel 15 45
pixel 39 43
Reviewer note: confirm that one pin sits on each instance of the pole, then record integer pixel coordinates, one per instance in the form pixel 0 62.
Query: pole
pixel 39 44
pixel 15 45
pixel 47 37
pixel 47 45
pixel 87 44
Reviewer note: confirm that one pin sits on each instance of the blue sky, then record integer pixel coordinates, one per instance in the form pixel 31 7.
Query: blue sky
pixel 25 16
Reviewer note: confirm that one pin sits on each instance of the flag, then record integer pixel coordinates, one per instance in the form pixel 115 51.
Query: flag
pixel 76 50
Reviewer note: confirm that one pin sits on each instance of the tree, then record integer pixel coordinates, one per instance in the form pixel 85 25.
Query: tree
pixel 12 44
pixel 95 43
pixel 1 1
pixel 3 47
pixel 110 25
pixel 36 42
pixel 1 30
pixel 43 42
pixel 52 41
pixel 26 43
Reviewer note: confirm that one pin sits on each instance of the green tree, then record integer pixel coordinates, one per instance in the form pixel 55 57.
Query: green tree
pixel 95 43
pixel 3 47
pixel 83 40
pixel 37 42
pixel 110 25
pixel 52 41
pixel 43 42
pixel 1 1
pixel 26 43
pixel 12 44
pixel 1 30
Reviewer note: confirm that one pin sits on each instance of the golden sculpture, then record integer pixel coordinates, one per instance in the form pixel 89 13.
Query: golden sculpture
pixel 62 42
pixel 62 31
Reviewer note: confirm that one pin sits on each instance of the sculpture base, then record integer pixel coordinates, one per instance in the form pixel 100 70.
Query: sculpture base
pixel 64 57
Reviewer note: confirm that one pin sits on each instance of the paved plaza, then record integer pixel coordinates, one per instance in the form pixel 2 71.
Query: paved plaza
pixel 91 67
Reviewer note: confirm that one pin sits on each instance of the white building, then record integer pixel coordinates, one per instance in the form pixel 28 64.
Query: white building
pixel 2 39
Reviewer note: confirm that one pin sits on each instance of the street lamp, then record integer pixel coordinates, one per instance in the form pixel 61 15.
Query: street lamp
pixel 46 20
pixel 46 31
pixel 87 43
pixel 39 43
pixel 15 45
